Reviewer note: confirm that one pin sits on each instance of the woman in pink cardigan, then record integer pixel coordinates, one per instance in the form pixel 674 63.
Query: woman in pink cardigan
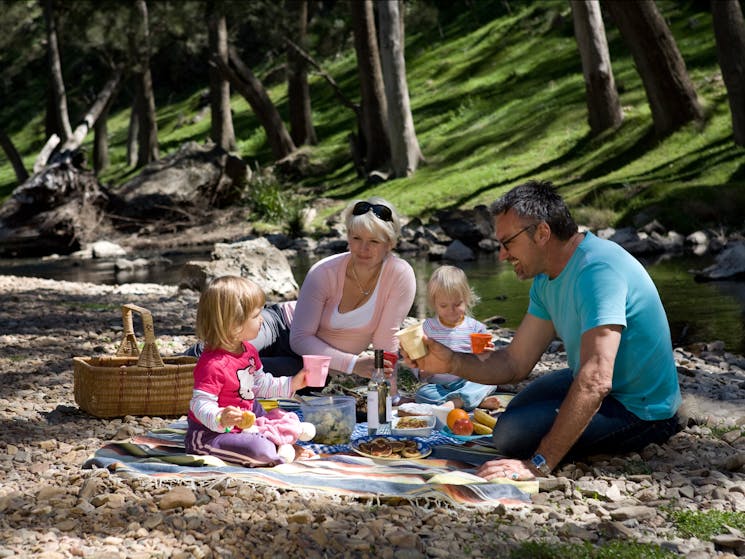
pixel 347 303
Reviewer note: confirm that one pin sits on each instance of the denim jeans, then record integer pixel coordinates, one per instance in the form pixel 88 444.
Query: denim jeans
pixel 272 343
pixel 472 393
pixel 612 430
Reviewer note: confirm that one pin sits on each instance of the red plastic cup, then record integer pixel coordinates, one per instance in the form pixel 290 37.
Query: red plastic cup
pixel 479 342
pixel 318 369
pixel 392 357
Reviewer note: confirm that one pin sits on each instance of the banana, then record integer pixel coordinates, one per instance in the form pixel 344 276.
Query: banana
pixel 484 418
pixel 481 429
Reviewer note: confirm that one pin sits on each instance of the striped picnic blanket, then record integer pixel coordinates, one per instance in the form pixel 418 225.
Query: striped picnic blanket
pixel 446 476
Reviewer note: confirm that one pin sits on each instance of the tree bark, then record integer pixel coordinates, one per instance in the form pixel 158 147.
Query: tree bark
pixel 298 92
pixel 13 156
pixel 244 81
pixel 405 152
pixel 147 138
pixel 670 93
pixel 729 32
pixel 603 105
pixel 374 145
pixel 222 132
pixel 61 116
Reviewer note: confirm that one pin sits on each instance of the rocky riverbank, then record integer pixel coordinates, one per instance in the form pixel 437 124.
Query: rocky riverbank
pixel 51 508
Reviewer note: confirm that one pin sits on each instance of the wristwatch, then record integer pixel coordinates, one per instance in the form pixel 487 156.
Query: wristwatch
pixel 539 463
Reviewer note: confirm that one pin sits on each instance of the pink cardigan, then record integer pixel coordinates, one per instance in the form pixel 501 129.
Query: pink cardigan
pixel 320 294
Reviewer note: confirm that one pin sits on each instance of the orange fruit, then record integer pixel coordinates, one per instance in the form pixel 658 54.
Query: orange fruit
pixel 455 415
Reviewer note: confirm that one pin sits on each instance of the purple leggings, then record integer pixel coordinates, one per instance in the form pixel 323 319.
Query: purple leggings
pixel 246 449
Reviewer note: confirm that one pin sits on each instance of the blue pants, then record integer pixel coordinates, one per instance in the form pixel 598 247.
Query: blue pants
pixel 613 429
pixel 272 343
pixel 472 393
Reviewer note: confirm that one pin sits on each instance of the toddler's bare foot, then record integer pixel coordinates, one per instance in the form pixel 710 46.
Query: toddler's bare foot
pixel 491 403
pixel 303 453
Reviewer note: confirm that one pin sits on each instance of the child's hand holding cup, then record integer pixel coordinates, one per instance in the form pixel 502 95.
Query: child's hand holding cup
pixel 317 369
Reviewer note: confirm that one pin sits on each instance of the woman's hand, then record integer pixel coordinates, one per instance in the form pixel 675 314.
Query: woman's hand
pixel 299 381
pixel 509 468
pixel 364 365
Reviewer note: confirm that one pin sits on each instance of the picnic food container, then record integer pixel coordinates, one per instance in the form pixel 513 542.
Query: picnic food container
pixel 134 382
pixel 333 416
pixel 413 425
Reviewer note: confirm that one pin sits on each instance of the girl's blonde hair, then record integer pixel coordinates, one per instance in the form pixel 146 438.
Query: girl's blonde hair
pixel 224 307
pixel 388 231
pixel 451 281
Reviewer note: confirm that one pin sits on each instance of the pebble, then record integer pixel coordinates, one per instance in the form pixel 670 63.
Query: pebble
pixel 50 507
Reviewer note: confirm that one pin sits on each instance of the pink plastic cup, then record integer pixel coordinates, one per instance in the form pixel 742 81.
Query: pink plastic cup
pixel 318 369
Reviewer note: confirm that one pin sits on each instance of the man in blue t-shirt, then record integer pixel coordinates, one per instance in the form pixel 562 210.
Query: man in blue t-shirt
pixel 621 389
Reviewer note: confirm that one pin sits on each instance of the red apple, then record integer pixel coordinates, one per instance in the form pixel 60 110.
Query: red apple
pixel 463 427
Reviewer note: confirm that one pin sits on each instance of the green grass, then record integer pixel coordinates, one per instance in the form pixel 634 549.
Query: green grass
pixel 706 524
pixel 495 105
pixel 612 550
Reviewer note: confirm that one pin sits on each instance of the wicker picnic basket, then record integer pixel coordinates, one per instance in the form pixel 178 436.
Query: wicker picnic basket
pixel 134 382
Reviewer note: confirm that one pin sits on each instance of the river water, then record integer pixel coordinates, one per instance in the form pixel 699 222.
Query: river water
pixel 697 312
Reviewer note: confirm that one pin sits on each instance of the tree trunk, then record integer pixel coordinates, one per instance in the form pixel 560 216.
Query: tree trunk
pixel 147 138
pixel 729 31
pixel 13 156
pixel 243 80
pixel 73 142
pixel 133 132
pixel 603 105
pixel 669 90
pixel 298 93
pixel 222 120
pixel 405 152
pixel 61 117
pixel 102 101
pixel 374 145
pixel 101 142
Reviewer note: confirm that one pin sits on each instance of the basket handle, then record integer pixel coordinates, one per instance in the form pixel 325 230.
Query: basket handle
pixel 149 357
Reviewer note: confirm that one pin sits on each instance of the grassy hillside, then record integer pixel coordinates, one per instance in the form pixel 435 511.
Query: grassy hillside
pixel 496 104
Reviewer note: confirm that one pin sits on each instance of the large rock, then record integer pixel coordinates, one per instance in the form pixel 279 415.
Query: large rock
pixel 255 259
pixel 195 176
pixel 467 226
pixel 730 263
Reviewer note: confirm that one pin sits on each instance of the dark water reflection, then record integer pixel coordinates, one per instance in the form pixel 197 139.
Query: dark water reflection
pixel 697 312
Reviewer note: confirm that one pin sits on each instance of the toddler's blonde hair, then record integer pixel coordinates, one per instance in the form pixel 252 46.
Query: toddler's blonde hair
pixel 451 281
pixel 224 307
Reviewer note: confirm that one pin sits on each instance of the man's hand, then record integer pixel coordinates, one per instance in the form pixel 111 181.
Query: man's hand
pixel 517 470
pixel 439 359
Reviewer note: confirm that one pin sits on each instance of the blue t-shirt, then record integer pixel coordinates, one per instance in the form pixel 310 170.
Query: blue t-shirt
pixel 602 284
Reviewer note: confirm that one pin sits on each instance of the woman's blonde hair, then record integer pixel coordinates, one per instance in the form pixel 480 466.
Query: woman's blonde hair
pixel 451 281
pixel 224 307
pixel 388 230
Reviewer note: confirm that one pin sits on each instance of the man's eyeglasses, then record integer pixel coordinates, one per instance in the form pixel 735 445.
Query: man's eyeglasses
pixel 380 211
pixel 505 244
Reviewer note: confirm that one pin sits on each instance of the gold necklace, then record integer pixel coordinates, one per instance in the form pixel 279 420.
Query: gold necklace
pixel 359 285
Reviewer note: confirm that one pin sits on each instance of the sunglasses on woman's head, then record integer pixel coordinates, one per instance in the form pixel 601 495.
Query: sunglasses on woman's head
pixel 380 211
